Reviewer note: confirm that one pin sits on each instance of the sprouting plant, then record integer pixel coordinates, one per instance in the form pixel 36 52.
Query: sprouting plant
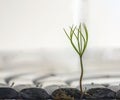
pixel 78 37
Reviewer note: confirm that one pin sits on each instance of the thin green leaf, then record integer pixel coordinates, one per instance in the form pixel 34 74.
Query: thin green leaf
pixel 66 33
pixel 86 31
pixel 80 38
pixel 78 42
pixel 75 47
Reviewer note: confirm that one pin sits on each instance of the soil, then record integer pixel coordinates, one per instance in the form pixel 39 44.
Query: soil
pixel 91 94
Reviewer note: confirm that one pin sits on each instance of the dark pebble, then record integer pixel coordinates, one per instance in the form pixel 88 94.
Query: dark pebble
pixel 100 93
pixel 118 94
pixel 8 93
pixel 66 94
pixel 22 86
pixel 50 89
pixel 34 94
pixel 99 99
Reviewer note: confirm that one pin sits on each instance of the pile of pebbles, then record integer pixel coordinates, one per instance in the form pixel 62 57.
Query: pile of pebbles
pixel 62 92
pixel 56 87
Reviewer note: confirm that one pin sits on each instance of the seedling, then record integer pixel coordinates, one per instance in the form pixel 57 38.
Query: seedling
pixel 78 37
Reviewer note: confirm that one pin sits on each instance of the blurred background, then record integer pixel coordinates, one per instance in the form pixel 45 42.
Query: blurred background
pixel 32 37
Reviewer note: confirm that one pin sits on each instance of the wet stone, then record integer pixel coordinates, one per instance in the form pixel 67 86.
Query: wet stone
pixel 8 93
pixel 34 94
pixel 66 94
pixel 100 93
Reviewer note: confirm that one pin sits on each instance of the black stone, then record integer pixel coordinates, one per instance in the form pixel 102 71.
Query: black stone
pixel 99 99
pixel 51 88
pixel 8 93
pixel 34 94
pixel 66 94
pixel 118 94
pixel 100 93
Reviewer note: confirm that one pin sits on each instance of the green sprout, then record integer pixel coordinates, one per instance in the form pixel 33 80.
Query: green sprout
pixel 79 38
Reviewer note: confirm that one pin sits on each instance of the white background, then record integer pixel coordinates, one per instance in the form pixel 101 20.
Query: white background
pixel 34 24
pixel 38 25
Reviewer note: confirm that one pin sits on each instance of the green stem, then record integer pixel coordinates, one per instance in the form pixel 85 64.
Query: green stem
pixel 81 76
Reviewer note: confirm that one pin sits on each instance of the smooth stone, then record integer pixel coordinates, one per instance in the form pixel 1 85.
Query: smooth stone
pixel 89 86
pixel 99 99
pixel 34 94
pixel 52 82
pixel 66 94
pixel 22 86
pixel 8 93
pixel 100 93
pixel 3 85
pixel 114 88
pixel 118 94
pixel 50 89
